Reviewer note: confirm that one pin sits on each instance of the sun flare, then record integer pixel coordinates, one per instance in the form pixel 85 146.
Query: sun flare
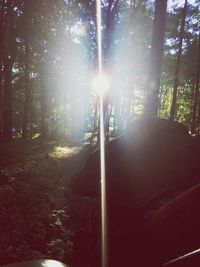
pixel 101 84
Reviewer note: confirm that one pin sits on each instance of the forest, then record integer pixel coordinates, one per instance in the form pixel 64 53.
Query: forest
pixel 49 116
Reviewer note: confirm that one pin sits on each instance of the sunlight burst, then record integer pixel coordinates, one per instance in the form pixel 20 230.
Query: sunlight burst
pixel 101 84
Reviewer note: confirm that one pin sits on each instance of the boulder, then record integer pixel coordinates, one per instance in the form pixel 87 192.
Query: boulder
pixel 152 155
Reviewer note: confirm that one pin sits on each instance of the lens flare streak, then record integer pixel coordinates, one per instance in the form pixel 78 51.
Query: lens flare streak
pixel 103 187
pixel 104 249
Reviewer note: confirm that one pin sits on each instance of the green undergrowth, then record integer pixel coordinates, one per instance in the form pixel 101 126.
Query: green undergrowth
pixel 34 215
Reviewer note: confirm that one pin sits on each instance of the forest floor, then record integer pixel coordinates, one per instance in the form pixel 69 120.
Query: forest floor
pixel 39 217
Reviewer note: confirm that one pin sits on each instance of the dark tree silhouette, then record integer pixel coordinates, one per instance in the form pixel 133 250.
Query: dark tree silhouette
pixel 178 64
pixel 27 93
pixel 196 92
pixel 153 82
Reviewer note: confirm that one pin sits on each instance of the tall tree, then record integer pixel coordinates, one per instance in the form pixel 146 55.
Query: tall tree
pixel 178 64
pixel 196 92
pixel 27 104
pixel 8 61
pixel 3 22
pixel 44 103
pixel 156 55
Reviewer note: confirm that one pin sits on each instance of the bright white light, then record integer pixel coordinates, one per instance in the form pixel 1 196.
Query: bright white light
pixel 101 84
pixel 52 263
pixel 78 30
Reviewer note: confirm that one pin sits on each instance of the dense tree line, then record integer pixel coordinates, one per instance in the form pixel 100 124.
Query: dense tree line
pixel 48 58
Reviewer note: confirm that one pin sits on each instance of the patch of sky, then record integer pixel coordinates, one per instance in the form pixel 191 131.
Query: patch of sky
pixel 178 3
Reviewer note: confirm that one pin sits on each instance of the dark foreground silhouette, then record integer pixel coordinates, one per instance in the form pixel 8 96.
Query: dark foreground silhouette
pixel 153 171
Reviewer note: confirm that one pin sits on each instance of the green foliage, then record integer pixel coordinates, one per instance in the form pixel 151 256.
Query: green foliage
pixel 34 217
pixel 56 43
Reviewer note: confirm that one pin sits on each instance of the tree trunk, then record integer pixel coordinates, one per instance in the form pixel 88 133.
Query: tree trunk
pixel 44 126
pixel 7 103
pixel 1 96
pixel 153 81
pixel 196 92
pixel 27 104
pixel 95 124
pixel 7 57
pixel 3 23
pixel 178 63
pixel 111 11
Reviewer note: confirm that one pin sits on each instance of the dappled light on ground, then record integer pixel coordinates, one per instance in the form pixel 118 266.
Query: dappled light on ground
pixel 64 152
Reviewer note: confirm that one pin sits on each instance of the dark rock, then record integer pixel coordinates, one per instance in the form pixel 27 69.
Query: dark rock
pixel 151 155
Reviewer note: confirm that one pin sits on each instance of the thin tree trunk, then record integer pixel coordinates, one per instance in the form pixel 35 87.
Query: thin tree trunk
pixel 95 123
pixel 1 96
pixel 192 103
pixel 3 26
pixel 8 62
pixel 44 126
pixel 27 107
pixel 196 92
pixel 3 23
pixel 107 122
pixel 178 63
pixel 153 82
pixel 111 11
pixel 7 103
pixel 31 110
pixel 117 118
